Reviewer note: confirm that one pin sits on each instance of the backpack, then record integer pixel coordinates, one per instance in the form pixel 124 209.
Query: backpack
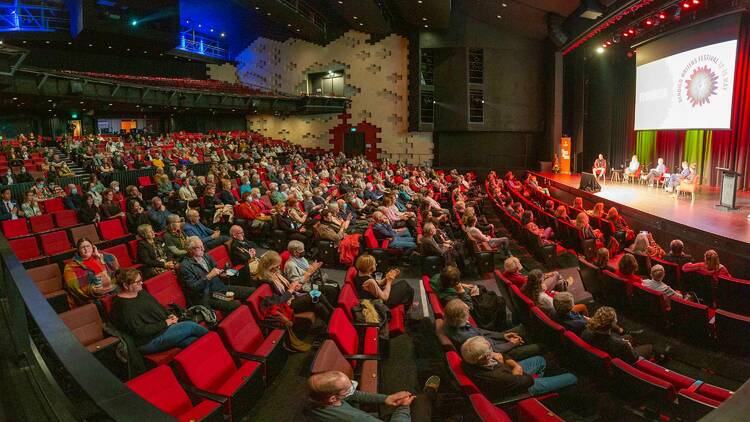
pixel 489 310
pixel 197 314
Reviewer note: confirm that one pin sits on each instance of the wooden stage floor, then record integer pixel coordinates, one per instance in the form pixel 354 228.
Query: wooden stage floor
pixel 701 214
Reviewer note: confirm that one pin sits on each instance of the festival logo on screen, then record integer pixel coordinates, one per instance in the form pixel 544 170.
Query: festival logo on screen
pixel 701 79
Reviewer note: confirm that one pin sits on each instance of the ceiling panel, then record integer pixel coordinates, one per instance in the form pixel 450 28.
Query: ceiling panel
pixel 363 15
pixel 433 13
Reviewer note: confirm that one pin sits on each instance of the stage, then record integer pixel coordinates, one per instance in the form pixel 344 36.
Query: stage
pixel 699 223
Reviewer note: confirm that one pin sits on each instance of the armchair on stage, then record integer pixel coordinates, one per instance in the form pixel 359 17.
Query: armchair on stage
pixel 689 186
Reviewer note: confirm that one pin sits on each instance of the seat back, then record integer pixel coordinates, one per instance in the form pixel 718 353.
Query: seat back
pixel 85 323
pixel 206 363
pixel 341 330
pixel 586 357
pixel 351 272
pixel 591 279
pixel 166 290
pixel 52 205
pixel 41 223
pixel 88 231
pixel 284 255
pixel 220 255
pixel 454 364
pixel 689 320
pixel 671 272
pixel 523 304
pixel 47 278
pixel 487 412
pixel 145 181
pixel 253 301
pixel 693 406
pixel 649 305
pixel 121 253
pixel 240 331
pixel 370 240
pixel 545 329
pixel 112 229
pixel 733 332
pixel 15 228
pixel 55 242
pixel 702 284
pixel 329 358
pixel 533 410
pixel 636 385
pixel 348 299
pixel 160 387
pixel 615 290
pixel 504 285
pixel 65 218
pixel 644 264
pixel 733 295
pixel 440 333
pixel 25 248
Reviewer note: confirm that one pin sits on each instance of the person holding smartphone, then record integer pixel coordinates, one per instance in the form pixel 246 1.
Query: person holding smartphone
pixel 88 276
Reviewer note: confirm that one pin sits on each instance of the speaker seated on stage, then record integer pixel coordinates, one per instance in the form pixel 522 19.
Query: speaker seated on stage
pixel 655 173
pixel 675 179
pixel 600 167
pixel 633 167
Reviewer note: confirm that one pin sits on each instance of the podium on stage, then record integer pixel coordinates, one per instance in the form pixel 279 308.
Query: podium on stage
pixel 728 188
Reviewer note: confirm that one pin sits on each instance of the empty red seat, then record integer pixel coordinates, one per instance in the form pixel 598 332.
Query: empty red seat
pixel 112 229
pixel 207 365
pixel 533 410
pixel 733 331
pixel 637 385
pixel 549 332
pixel 160 387
pixel 145 181
pixel 65 218
pixel 241 333
pixel 253 301
pixel 341 331
pixel 123 256
pixel 690 320
pixel 679 381
pixel 52 205
pixel 42 223
pixel 649 305
pixel 166 290
pixel 486 411
pixel 221 256
pixel 15 228
pixel 56 242
pixel 692 405
pixel 733 295
pixel 25 248
pixel 330 358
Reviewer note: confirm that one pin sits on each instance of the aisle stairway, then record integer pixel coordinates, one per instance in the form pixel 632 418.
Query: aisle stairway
pixel 73 165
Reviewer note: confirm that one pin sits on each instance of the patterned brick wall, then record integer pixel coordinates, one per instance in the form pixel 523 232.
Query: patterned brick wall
pixel 376 81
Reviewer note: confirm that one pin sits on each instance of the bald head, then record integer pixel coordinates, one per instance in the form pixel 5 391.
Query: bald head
pixel 325 387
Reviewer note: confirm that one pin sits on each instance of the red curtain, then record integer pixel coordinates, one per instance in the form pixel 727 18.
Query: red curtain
pixel 670 145
pixel 737 154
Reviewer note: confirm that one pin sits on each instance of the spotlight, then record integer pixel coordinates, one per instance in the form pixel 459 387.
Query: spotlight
pixel 631 31
pixel 600 50
pixel 648 22
pixel 609 43
pixel 223 34
pixel 605 45
pixel 696 2
pixel 134 23
pixel 625 34
pixel 662 16
pixel 685 5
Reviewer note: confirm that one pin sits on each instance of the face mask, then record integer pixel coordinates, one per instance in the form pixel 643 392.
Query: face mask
pixel 116 188
pixel 40 185
pixel 74 191
pixel 350 392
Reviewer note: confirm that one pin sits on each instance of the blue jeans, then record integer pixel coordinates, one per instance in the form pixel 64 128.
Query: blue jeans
pixel 402 241
pixel 542 385
pixel 181 335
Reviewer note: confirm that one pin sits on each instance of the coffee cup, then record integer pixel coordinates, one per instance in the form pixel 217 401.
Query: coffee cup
pixel 229 295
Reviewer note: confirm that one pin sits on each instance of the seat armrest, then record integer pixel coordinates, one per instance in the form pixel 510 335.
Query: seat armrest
pixel 247 356
pixel 363 357
pixel 205 394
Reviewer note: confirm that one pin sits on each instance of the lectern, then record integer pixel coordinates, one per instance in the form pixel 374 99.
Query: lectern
pixel 728 186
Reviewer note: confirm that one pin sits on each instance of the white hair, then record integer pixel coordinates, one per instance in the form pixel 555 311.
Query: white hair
pixel 475 349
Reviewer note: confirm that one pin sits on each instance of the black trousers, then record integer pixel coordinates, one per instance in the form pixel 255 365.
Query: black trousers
pixel 401 294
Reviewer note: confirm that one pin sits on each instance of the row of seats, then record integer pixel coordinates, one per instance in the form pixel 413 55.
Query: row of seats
pixel 660 388
pixel 692 321
pixel 61 242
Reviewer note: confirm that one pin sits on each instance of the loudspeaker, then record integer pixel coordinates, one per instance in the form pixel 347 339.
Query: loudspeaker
pixel 589 183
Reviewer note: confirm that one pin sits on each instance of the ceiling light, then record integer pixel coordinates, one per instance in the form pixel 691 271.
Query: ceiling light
pixel 223 34
pixel 46 42
pixel 24 41
pixel 289 24
pixel 354 17
pixel 15 98
pixel 424 19
pixel 257 8
pixel 341 2
pixel 200 26
pixel 268 14
pixel 49 101
pixel 361 24
pixel 419 1
pixel 110 103
pixel 69 43
pixel 298 30
pixel 662 16
pixel 109 46
pixel 212 30
pixel 81 102
pixel 427 26
pixel 499 16
pixel 505 5
pixel 649 22
pixel 600 50
pixel 91 45
pixel 696 2
pixel 127 49
pixel 685 5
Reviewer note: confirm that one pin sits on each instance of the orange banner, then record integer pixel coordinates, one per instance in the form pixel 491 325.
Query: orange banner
pixel 565 146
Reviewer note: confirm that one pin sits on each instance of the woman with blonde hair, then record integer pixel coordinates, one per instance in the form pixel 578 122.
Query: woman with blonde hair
pixel 598 210
pixel 373 285
pixel 291 292
pixel 644 244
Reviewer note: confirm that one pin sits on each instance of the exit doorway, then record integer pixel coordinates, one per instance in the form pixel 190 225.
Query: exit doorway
pixel 354 144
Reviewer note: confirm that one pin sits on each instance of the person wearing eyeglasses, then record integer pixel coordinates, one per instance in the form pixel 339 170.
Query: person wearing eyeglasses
pixel 203 280
pixel 331 394
pixel 153 328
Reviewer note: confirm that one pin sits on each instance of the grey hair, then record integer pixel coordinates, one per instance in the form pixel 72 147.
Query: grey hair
pixel 173 218
pixel 475 349
pixel 657 272
pixel 192 241
pixel 428 227
pixel 456 313
pixel 143 228
pixel 295 246
pixel 563 302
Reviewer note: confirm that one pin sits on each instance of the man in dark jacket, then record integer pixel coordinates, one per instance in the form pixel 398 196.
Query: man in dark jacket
pixel 205 282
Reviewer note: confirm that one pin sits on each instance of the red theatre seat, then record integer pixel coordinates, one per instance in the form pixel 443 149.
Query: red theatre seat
pixel 454 363
pixel 486 411
pixel 56 242
pixel 123 256
pixel 25 248
pixel 15 228
pixel 52 205
pixel 160 388
pixel 532 410
pixel 112 229
pixel 41 223
pixel 241 333
pixel 341 331
pixel 65 218
pixel 207 365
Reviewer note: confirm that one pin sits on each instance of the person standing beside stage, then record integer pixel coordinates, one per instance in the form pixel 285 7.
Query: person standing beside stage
pixel 633 166
pixel 655 173
pixel 600 167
